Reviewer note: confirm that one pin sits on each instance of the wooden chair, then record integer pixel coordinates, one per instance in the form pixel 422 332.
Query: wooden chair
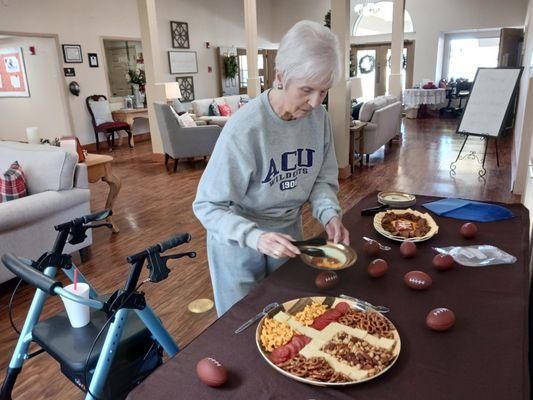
pixel 107 128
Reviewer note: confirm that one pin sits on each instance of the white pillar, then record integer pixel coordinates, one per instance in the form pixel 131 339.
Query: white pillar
pixel 339 95
pixel 250 26
pixel 152 66
pixel 395 79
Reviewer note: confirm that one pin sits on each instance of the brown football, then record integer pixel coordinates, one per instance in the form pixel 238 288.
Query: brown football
pixel 371 247
pixel 326 280
pixel 211 372
pixel 378 268
pixel 440 319
pixel 417 280
pixel 443 261
pixel 408 249
pixel 468 230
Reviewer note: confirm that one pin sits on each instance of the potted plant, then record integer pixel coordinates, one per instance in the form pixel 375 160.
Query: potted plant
pixel 137 79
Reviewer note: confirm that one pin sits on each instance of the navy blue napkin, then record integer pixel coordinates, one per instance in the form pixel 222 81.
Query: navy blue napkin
pixel 469 210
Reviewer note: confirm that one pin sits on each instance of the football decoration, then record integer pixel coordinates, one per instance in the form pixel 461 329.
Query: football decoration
pixel 468 230
pixel 440 319
pixel 327 280
pixel 408 249
pixel 371 247
pixel 417 280
pixel 211 372
pixel 378 268
pixel 443 262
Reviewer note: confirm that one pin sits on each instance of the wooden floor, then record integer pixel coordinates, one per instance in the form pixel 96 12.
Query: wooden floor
pixel 155 204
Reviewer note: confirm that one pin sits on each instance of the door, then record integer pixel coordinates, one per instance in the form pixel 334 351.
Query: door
pixel 511 40
pixel 372 64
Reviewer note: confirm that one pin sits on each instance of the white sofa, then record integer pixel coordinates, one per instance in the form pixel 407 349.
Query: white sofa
pixel 382 116
pixel 200 108
pixel 58 191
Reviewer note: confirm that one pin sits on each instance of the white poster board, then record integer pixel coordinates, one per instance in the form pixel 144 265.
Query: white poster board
pixel 486 110
pixel 182 62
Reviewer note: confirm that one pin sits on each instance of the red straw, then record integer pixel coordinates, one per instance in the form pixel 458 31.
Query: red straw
pixel 75 279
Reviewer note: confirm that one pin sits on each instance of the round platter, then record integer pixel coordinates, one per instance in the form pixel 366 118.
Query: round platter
pixel 345 254
pixel 396 199
pixel 434 228
pixel 285 313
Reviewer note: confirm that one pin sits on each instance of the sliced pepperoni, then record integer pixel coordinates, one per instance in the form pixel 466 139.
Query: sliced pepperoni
pixel 293 349
pixel 332 315
pixel 280 355
pixel 342 307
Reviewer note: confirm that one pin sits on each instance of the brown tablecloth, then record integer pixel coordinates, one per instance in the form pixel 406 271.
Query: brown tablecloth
pixel 484 356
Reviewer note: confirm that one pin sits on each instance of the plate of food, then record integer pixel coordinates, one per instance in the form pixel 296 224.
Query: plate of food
pixel 327 341
pixel 405 225
pixel 337 256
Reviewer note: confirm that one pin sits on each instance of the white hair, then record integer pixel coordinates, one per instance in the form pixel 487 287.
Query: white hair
pixel 309 51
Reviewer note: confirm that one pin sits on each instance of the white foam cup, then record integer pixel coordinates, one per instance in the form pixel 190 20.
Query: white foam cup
pixel 78 314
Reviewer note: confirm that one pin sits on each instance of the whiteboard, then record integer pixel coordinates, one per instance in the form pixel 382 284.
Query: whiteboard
pixel 486 109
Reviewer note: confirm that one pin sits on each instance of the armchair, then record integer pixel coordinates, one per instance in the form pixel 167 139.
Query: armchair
pixel 179 142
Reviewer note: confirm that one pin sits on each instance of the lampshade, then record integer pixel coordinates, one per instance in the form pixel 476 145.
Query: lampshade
pixel 172 90
pixel 356 89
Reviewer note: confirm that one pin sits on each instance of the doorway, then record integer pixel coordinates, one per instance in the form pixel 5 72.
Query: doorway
pixel 372 63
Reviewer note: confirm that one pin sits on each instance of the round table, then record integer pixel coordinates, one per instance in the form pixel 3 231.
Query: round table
pixel 413 98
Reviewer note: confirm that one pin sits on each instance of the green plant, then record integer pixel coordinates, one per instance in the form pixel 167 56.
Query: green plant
pixel 231 67
pixel 136 76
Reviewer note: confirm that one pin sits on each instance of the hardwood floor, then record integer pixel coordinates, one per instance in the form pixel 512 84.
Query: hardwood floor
pixel 154 204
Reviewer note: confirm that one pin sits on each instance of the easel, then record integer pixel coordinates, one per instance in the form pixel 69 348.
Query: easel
pixel 490 133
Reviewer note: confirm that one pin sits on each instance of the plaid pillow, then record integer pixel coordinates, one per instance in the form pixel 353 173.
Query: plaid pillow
pixel 12 184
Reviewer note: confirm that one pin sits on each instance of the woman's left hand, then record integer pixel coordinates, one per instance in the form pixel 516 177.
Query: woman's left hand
pixel 337 232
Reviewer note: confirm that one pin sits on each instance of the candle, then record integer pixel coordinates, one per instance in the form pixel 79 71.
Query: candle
pixel 32 133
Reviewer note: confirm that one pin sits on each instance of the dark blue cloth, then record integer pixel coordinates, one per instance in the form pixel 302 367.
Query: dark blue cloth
pixel 469 210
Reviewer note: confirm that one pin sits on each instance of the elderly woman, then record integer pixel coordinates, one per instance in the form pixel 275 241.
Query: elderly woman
pixel 272 156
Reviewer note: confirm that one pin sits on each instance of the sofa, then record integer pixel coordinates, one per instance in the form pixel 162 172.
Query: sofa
pixel 181 142
pixel 58 191
pixel 383 117
pixel 200 108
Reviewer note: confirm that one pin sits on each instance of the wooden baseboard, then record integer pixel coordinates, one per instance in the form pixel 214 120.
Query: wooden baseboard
pixel 345 173
pixel 91 147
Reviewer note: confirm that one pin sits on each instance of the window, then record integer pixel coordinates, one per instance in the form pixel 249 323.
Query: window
pixel 243 69
pixel 466 55
pixel 122 56
pixel 376 19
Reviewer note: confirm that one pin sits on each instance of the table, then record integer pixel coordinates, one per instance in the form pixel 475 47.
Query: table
pixel 414 98
pixel 128 115
pixel 356 134
pixel 99 168
pixel 484 356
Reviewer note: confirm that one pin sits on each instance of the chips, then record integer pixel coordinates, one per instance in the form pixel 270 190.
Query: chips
pixel 309 313
pixel 275 334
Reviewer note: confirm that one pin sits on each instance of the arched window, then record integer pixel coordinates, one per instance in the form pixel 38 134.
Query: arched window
pixel 376 19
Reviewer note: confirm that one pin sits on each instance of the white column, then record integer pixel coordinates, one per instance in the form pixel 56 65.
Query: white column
pixel 152 66
pixel 339 95
pixel 250 26
pixel 395 79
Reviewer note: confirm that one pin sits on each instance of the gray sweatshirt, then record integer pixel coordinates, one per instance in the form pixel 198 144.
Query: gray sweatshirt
pixel 263 169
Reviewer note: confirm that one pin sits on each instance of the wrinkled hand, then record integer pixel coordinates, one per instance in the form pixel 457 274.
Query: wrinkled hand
pixel 277 245
pixel 337 232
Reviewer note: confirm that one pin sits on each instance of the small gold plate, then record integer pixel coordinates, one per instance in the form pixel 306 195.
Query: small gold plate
pixel 345 254
pixel 396 199
pixel 199 306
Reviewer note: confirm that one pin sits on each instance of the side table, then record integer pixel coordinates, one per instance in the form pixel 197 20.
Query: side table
pixel 128 115
pixel 99 168
pixel 356 134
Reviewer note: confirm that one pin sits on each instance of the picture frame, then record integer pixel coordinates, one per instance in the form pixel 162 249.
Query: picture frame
pixel 186 88
pixel 93 60
pixel 72 53
pixel 179 34
pixel 182 62
pixel 13 78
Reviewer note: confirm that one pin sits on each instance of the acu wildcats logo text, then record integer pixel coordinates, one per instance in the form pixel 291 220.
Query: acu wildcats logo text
pixel 290 165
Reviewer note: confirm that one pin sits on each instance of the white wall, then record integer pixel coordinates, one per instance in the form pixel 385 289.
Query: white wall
pixel 45 108
pixel 220 25
pixel 76 22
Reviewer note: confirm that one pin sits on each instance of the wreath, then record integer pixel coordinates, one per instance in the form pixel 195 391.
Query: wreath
pixel 368 59
pixel 404 61
pixel 231 68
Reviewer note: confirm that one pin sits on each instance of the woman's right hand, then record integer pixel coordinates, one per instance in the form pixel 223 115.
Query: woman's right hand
pixel 277 245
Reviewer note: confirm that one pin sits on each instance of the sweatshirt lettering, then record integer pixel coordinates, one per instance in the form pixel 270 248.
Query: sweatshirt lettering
pixel 297 161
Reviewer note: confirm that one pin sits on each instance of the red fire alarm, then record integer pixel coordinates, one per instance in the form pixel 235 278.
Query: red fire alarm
pixel 209 69
pixel 32 50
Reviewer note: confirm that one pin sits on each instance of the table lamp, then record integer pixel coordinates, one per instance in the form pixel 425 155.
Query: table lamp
pixel 356 88
pixel 173 94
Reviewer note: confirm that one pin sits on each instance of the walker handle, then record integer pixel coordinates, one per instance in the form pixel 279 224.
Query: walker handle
pixel 29 274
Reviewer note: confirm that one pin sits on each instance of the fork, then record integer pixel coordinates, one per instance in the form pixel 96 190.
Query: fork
pixel 265 311
pixel 366 305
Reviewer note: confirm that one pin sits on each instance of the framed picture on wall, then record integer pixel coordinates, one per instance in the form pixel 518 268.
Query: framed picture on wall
pixel 186 87
pixel 72 53
pixel 182 62
pixel 179 32
pixel 13 79
pixel 93 60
